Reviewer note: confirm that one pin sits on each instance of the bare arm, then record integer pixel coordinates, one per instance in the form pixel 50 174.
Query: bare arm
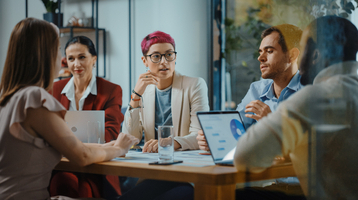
pixel 51 127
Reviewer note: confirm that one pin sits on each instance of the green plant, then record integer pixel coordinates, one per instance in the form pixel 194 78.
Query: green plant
pixel 50 5
pixel 233 41
pixel 256 23
pixel 319 8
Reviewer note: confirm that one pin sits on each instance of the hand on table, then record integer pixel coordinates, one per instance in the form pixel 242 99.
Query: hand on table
pixel 125 141
pixel 152 146
pixel 202 141
pixel 259 108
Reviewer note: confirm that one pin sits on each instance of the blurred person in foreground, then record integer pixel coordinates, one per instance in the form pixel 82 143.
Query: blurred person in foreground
pixel 318 121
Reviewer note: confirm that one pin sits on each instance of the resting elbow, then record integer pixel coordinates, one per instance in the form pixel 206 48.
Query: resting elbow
pixel 81 164
pixel 82 160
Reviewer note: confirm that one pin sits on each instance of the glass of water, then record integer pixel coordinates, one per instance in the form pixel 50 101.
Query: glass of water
pixel 165 143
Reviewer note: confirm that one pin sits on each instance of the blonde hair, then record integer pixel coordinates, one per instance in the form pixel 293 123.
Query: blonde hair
pixel 31 57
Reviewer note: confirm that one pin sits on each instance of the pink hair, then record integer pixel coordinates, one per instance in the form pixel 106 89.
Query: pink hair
pixel 154 38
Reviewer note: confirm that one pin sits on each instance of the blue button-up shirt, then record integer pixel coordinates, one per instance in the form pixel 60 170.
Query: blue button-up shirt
pixel 263 90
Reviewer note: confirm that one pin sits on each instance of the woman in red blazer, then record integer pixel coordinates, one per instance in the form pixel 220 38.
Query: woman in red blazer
pixel 84 91
pixel 108 98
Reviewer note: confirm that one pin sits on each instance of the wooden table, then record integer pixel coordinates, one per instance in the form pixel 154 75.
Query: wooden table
pixel 211 182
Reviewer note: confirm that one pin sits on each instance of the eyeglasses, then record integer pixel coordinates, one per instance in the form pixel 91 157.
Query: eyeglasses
pixel 157 57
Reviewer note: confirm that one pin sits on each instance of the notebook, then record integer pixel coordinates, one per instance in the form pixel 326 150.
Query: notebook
pixel 88 126
pixel 222 129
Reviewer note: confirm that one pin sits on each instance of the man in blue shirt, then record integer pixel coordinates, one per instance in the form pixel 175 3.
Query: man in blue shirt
pixel 279 51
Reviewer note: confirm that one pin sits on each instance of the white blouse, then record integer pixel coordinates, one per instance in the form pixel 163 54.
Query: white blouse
pixel 69 90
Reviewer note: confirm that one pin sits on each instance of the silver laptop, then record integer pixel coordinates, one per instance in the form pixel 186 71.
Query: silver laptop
pixel 222 129
pixel 88 126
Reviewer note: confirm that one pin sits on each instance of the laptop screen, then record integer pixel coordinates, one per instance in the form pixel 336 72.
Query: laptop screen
pixel 87 126
pixel 222 129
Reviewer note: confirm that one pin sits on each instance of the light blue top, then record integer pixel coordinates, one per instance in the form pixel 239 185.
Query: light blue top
pixel 163 108
pixel 263 90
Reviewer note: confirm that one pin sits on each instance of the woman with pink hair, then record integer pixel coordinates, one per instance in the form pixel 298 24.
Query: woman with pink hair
pixel 162 96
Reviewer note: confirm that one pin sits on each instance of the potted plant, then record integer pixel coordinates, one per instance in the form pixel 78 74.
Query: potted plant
pixel 51 15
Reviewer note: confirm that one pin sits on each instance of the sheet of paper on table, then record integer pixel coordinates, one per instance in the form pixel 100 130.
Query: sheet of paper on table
pixel 189 158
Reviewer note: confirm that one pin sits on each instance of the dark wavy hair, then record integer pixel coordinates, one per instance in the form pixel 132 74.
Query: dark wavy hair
pixel 82 40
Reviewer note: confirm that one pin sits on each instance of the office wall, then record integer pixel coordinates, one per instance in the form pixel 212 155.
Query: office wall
pixel 184 20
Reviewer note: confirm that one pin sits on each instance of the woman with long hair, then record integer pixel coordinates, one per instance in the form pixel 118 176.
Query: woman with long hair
pixel 33 133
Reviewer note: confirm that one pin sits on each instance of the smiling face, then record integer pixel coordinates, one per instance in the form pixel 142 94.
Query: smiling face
pixel 80 61
pixel 163 69
pixel 273 61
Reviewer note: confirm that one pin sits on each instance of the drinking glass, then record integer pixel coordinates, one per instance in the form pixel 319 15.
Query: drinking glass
pixel 165 143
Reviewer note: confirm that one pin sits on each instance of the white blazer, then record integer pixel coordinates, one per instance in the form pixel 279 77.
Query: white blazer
pixel 189 95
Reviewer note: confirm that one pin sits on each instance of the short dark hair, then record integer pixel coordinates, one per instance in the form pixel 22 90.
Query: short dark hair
pixel 335 37
pixel 82 40
pixel 289 34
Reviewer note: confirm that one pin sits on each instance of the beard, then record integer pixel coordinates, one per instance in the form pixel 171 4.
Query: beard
pixel 270 75
pixel 276 69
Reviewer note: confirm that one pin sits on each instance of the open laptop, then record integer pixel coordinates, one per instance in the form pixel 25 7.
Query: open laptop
pixel 222 129
pixel 88 126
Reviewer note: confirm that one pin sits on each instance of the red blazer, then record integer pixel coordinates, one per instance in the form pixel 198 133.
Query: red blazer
pixel 108 98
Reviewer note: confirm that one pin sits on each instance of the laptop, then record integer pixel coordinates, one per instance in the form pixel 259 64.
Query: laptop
pixel 222 129
pixel 88 126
